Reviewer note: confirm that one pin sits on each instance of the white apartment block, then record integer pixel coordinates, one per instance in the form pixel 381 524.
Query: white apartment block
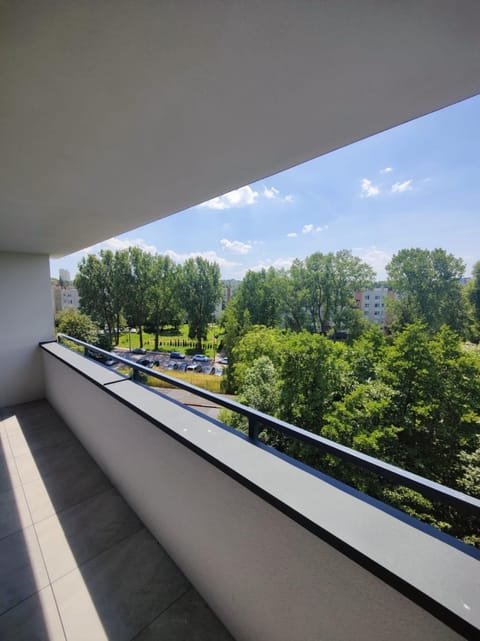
pixel 64 275
pixel 65 297
pixel 373 304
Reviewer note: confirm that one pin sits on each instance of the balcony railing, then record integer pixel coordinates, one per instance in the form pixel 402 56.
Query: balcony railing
pixel 257 420
pixel 282 537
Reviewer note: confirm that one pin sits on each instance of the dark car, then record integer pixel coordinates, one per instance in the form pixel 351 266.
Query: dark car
pixel 146 362
pixel 176 355
pixel 101 358
pixel 139 350
pixel 201 358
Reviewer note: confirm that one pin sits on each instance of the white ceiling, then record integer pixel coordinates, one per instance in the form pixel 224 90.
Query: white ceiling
pixel 114 114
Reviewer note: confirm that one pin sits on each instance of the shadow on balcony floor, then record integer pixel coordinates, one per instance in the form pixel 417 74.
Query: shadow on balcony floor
pixel 76 561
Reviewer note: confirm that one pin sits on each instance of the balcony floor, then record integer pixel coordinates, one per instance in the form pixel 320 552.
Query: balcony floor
pixel 76 562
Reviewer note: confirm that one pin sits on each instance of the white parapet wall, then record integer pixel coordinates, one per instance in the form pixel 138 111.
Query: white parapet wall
pixel 278 553
pixel 26 317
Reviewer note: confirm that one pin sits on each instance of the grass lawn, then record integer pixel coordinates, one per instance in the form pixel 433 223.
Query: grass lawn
pixel 170 341
pixel 205 381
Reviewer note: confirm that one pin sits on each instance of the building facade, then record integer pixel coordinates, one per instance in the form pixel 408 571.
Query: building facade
pixel 373 304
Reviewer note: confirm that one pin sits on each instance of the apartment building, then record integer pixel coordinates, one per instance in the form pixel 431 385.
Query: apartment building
pixel 373 304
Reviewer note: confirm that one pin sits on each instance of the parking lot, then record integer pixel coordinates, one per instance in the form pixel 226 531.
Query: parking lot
pixel 163 361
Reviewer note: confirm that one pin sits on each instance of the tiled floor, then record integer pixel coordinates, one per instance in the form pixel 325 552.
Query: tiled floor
pixel 76 563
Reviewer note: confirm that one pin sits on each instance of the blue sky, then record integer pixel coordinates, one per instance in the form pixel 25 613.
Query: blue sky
pixel 417 185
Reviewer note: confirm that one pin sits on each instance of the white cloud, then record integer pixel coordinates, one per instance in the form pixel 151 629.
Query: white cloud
pixel 271 192
pixel 235 246
pixel 292 234
pixel 211 256
pixel 376 258
pixel 120 243
pixel 279 263
pixel 236 198
pixel 246 196
pixel 386 170
pixel 369 189
pixel 398 188
pixel 306 229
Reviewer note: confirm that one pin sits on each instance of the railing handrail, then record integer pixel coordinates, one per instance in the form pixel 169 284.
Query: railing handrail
pixel 258 419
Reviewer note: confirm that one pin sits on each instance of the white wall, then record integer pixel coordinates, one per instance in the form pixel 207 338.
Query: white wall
pixel 26 317
pixel 265 576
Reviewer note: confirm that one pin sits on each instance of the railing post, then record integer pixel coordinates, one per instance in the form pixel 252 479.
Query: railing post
pixel 135 374
pixel 253 428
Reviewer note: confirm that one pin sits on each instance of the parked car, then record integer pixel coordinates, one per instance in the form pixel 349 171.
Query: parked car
pixel 146 362
pixel 101 358
pixel 201 358
pixel 223 361
pixel 218 371
pixel 181 367
pixel 208 369
pixel 194 368
pixel 139 350
pixel 176 355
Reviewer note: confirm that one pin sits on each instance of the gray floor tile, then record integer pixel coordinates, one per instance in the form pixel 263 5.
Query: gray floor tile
pixel 58 461
pixel 35 619
pixel 188 619
pixel 9 477
pixel 23 569
pixel 52 494
pixel 21 443
pixel 27 426
pixel 84 531
pixel 14 512
pixel 120 592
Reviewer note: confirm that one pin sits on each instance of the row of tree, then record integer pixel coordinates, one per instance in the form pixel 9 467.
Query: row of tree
pixel 132 287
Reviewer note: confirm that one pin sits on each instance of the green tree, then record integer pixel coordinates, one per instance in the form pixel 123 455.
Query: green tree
pixel 330 281
pixel 260 294
pixel 259 341
pixel 77 325
pixel 472 296
pixel 137 287
pixel 428 288
pixel 95 285
pixel 260 390
pixel 165 307
pixel 315 375
pixel 200 291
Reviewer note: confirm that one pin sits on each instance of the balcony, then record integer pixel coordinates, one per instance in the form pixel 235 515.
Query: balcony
pixel 275 550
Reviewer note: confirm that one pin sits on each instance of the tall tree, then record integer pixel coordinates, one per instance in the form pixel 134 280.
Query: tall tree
pixel 95 285
pixel 165 307
pixel 330 282
pixel 472 294
pixel 427 283
pixel 200 292
pixel 260 293
pixel 137 287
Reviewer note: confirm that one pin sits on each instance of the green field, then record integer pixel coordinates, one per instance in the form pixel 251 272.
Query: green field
pixel 205 381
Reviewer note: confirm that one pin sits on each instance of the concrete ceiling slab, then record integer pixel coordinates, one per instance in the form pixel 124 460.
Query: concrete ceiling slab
pixel 117 113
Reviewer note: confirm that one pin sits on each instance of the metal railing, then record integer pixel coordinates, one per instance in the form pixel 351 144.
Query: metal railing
pixel 257 420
